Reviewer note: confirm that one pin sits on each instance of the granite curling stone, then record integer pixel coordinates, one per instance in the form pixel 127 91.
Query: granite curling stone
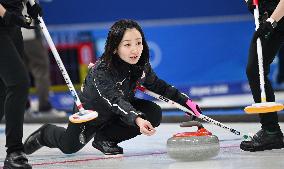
pixel 193 146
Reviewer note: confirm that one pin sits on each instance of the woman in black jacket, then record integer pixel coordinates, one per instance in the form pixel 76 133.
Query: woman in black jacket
pixel 109 89
pixel 14 79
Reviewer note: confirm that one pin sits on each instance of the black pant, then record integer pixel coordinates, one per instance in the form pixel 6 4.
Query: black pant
pixel 270 47
pixel 107 125
pixel 14 84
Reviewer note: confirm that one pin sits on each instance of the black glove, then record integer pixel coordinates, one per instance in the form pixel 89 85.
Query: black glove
pixel 250 6
pixel 34 11
pixel 265 30
pixel 11 18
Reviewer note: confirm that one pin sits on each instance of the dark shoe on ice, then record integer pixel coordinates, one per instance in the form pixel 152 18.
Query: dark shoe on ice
pixel 106 147
pixel 264 140
pixel 34 141
pixel 16 160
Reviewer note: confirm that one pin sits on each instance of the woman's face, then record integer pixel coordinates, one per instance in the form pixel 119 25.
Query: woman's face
pixel 130 48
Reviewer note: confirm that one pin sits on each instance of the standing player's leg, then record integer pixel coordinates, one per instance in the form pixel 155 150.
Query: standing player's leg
pixel 16 83
pixel 270 136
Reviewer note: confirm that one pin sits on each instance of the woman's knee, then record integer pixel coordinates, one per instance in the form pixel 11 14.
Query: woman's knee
pixel 155 117
pixel 19 83
pixel 20 90
pixel 252 73
pixel 152 111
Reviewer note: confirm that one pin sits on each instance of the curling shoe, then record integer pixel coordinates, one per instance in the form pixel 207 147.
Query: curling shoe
pixel 34 141
pixel 107 147
pixel 264 140
pixel 16 160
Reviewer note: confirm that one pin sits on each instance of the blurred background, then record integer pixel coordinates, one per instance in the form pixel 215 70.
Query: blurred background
pixel 200 47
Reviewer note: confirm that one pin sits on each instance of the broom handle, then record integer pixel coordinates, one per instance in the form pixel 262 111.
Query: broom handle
pixel 259 53
pixel 59 62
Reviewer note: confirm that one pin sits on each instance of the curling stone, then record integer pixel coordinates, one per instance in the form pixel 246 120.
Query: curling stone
pixel 193 146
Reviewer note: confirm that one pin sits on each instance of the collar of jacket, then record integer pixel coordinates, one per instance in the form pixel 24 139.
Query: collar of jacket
pixel 120 66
